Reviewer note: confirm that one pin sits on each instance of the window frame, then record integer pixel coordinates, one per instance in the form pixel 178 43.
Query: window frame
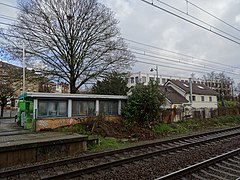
pixel 144 79
pixel 86 103
pixel 56 103
pixel 193 98
pixel 210 98
pixel 132 80
pixel 108 107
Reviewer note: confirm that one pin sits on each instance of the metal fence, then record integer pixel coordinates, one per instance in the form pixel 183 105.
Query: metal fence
pixel 9 113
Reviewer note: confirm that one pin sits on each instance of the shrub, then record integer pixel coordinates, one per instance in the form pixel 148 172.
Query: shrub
pixel 143 106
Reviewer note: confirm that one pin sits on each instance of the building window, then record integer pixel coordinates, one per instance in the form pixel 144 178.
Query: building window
pixel 210 99
pixel 144 79
pixel 108 107
pixel 136 79
pixel 83 108
pixel 202 98
pixel 194 98
pixel 52 108
pixel 132 79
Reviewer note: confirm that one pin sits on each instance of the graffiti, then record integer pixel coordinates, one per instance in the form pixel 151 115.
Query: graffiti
pixel 42 123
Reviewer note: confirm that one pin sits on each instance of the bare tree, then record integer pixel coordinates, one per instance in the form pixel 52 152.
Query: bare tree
pixel 226 84
pixel 78 40
pixel 9 76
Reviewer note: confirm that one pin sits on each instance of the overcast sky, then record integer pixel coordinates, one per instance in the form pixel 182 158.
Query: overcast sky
pixel 146 24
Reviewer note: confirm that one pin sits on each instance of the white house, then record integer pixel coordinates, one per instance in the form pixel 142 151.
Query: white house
pixel 215 84
pixel 173 98
pixel 202 96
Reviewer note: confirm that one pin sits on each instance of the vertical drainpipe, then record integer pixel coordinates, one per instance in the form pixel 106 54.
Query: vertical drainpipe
pixel 190 90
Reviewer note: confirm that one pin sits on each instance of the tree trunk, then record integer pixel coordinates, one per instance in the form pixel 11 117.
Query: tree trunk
pixel 73 89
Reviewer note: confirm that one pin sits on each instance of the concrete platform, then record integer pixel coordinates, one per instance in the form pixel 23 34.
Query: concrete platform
pixel 34 147
pixel 8 126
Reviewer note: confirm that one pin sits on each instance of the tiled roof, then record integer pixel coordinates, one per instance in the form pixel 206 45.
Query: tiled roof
pixel 173 95
pixel 197 88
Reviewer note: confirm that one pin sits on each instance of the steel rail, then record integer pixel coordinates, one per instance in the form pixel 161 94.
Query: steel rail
pixel 122 161
pixel 79 172
pixel 188 170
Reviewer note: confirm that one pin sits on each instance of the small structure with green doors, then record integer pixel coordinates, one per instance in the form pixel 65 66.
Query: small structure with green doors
pixel 44 111
pixel 25 112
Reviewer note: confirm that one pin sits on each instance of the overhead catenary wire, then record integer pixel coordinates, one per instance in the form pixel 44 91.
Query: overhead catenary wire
pixel 125 38
pixel 192 22
pixel 9 18
pixel 208 29
pixel 181 54
pixel 180 58
pixel 132 42
pixel 166 66
pixel 182 67
pixel 196 66
pixel 193 66
pixel 8 5
pixel 210 14
pixel 188 14
pixel 177 60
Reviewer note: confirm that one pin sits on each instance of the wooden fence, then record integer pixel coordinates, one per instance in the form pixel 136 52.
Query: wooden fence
pixel 174 115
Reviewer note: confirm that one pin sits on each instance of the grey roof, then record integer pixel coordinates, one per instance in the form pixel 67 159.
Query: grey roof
pixel 173 95
pixel 197 88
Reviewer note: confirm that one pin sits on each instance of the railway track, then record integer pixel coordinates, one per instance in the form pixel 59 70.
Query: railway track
pixel 225 166
pixel 75 167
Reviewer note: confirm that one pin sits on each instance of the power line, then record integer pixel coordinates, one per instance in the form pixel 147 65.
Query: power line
pixel 194 23
pixel 176 59
pixel 18 27
pixel 125 38
pixel 7 17
pixel 177 53
pixel 18 37
pixel 226 23
pixel 211 26
pixel 185 64
pixel 167 66
pixel 149 55
pixel 193 17
pixel 8 5
pixel 151 62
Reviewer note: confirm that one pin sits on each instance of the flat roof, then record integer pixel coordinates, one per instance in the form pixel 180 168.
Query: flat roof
pixel 72 96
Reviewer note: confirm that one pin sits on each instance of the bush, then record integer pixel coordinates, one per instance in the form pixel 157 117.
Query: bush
pixel 228 104
pixel 162 128
pixel 143 106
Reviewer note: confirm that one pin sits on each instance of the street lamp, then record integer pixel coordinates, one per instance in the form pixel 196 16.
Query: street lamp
pixel 155 69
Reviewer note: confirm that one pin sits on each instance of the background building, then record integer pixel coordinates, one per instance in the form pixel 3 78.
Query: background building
pixel 224 88
pixel 34 82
